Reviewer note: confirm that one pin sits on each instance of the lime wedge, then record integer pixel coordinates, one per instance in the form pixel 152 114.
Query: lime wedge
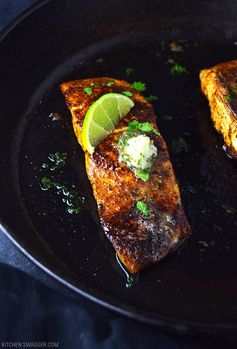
pixel 102 117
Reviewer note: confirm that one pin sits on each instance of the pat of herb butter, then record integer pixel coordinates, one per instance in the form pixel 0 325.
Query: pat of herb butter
pixel 139 153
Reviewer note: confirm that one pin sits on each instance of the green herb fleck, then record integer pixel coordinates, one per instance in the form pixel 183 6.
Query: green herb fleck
pixel 73 210
pixel 177 69
pixel 139 86
pixel 143 208
pixel 122 141
pixel 151 98
pixel 147 127
pixel 127 93
pixel 110 83
pixel 228 97
pixel 71 198
pixel 132 126
pixel 88 90
pixel 142 126
pixel 57 160
pixel 47 183
pixel 144 175
pixel 92 84
pixel 129 71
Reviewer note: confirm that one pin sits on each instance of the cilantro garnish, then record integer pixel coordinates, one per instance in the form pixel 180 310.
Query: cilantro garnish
pixel 127 93
pixel 57 160
pixel 92 84
pixel 228 97
pixel 122 141
pixel 142 126
pixel 144 175
pixel 132 126
pixel 145 127
pixel 129 71
pixel 110 83
pixel 139 86
pixel 177 69
pixel 151 98
pixel 88 90
pixel 143 208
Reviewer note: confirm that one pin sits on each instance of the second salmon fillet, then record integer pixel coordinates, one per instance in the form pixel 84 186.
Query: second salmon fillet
pixel 219 84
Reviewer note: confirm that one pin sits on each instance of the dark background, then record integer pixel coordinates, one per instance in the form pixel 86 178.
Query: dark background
pixel 35 308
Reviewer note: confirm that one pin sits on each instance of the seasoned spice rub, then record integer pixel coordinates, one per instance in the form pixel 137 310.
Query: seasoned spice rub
pixel 138 239
pixel 219 84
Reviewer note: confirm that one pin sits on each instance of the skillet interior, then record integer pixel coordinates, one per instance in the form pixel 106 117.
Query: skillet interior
pixel 198 283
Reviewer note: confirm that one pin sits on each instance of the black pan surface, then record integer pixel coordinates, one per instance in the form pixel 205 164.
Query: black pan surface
pixel 193 289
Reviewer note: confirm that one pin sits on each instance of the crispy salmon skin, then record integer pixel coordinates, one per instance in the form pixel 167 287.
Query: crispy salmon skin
pixel 138 240
pixel 219 84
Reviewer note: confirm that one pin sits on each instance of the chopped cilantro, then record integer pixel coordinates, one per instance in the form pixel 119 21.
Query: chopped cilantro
pixel 139 86
pixel 92 84
pixel 129 71
pixel 143 208
pixel 177 69
pixel 228 97
pixel 132 126
pixel 127 93
pixel 71 198
pixel 145 127
pixel 110 83
pixel 144 175
pixel 142 126
pixel 151 98
pixel 122 141
pixel 88 90
pixel 57 160
pixel 47 183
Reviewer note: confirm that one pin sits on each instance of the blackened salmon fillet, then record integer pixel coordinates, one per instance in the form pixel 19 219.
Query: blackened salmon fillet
pixel 138 240
pixel 219 84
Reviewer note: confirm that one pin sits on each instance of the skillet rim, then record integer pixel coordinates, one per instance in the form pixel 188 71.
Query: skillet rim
pixel 164 322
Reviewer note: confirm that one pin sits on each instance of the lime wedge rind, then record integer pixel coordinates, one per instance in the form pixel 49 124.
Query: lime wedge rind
pixel 102 118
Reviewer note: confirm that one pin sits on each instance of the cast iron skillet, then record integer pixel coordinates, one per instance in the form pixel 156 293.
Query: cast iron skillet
pixel 195 288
